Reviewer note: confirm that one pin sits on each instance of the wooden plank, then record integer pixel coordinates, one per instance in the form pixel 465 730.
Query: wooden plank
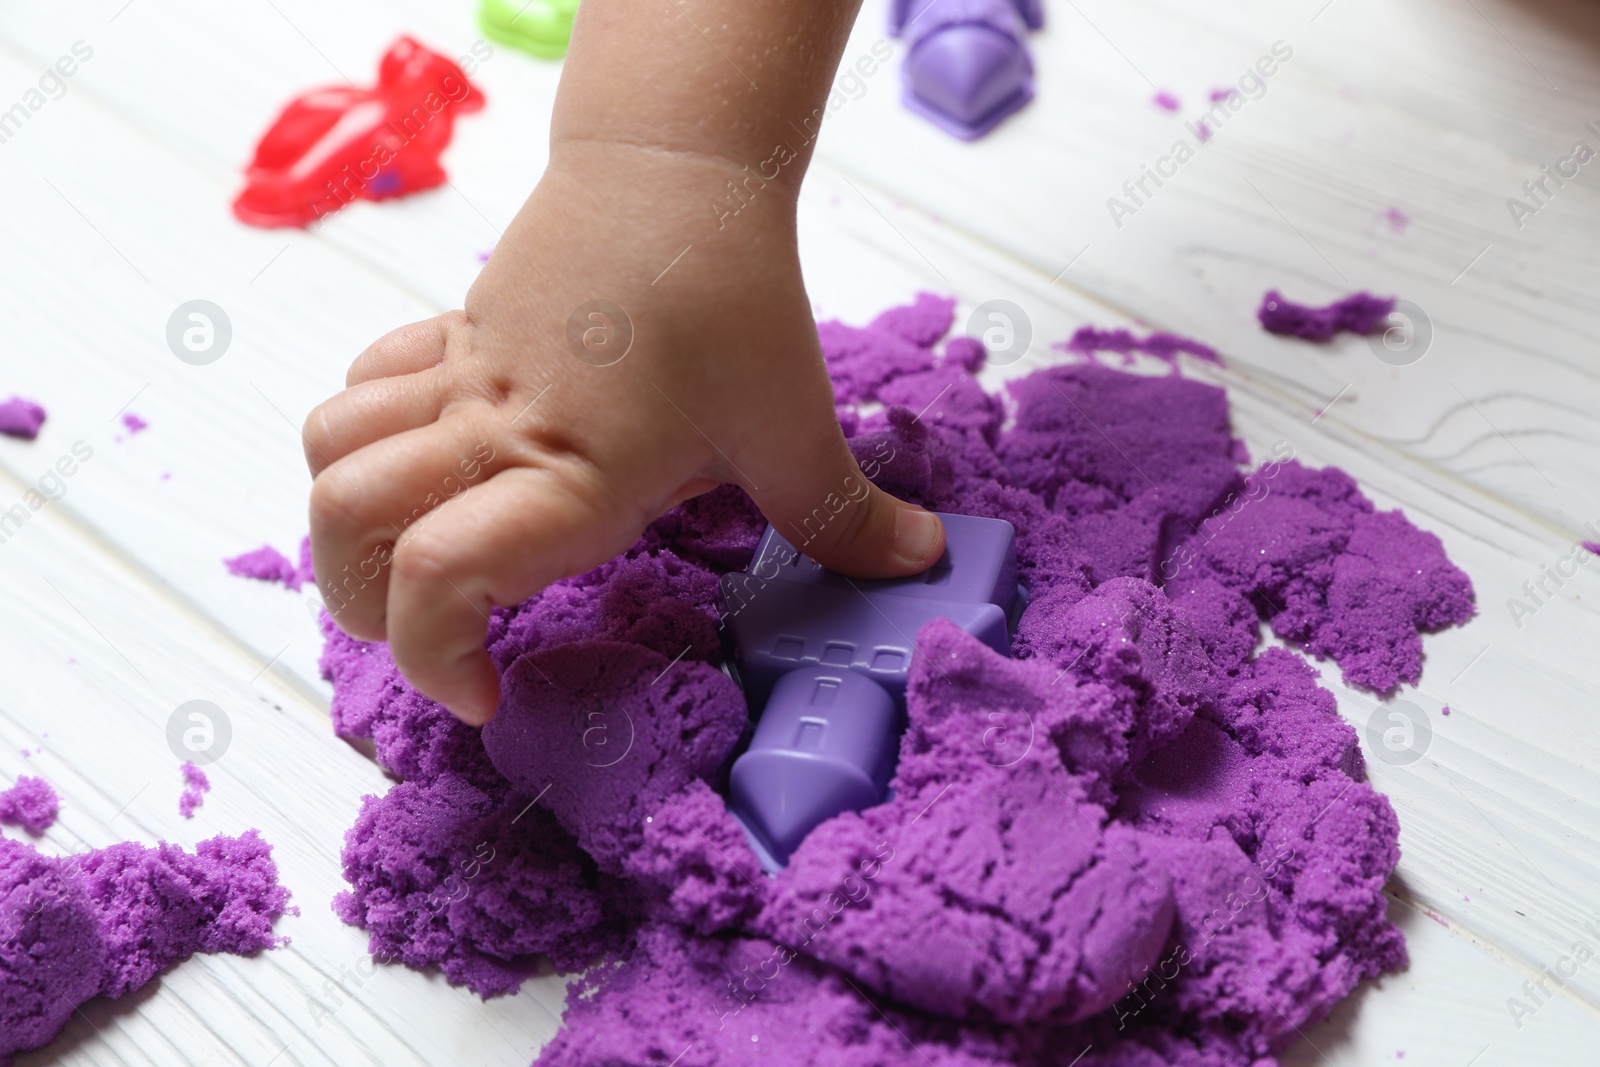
pixel 101 721
pixel 94 668
pixel 253 58
pixel 1290 193
pixel 1504 807
pixel 1447 1009
pixel 1266 202
pixel 1489 441
pixel 96 267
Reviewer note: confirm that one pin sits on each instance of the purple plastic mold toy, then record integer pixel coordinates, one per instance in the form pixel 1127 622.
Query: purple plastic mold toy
pixel 968 67
pixel 825 744
pixel 903 12
pixel 824 660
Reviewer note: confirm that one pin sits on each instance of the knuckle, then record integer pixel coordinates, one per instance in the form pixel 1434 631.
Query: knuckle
pixel 873 507
pixel 316 436
pixel 353 373
pixel 456 338
pixel 422 562
pixel 335 504
pixel 858 516
pixel 376 355
pixel 455 320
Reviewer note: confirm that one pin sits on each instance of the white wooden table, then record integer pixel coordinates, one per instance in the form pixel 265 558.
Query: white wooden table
pixel 113 211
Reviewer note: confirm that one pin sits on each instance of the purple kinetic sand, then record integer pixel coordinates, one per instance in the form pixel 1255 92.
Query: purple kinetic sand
pixel 1143 839
pixel 21 418
pixel 1358 313
pixel 195 787
pixel 264 564
pixel 267 564
pixel 106 922
pixel 1089 341
pixel 30 804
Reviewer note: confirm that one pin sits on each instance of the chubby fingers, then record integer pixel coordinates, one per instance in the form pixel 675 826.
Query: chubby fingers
pixel 370 411
pixel 365 502
pixel 391 387
pixel 498 544
pixel 406 349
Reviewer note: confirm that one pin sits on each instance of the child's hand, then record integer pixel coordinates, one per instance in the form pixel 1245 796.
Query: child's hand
pixel 568 461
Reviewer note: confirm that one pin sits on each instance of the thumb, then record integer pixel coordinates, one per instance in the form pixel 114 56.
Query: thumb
pixel 829 510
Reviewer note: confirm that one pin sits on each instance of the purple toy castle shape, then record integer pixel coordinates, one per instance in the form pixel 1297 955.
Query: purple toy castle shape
pixel 824 660
pixel 968 66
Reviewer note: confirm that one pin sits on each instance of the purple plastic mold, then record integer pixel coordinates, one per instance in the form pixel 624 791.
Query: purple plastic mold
pixel 968 67
pixel 825 744
pixel 902 12
pixel 786 611
pixel 824 660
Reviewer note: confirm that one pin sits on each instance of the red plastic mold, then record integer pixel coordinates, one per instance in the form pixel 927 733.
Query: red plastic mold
pixel 337 144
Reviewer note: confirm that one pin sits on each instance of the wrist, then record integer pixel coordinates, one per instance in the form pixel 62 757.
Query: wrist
pixel 698 194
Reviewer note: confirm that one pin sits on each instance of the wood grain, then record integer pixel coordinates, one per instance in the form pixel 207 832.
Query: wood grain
pixel 118 198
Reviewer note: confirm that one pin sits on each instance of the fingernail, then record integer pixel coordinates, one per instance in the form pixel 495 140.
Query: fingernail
pixel 916 535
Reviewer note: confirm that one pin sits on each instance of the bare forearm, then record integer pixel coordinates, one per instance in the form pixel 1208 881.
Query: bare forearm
pixel 669 206
pixel 735 79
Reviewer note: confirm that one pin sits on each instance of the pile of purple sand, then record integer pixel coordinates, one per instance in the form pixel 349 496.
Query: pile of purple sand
pixel 195 787
pixel 106 922
pixel 267 564
pixel 1139 838
pixel 1358 313
pixel 30 804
